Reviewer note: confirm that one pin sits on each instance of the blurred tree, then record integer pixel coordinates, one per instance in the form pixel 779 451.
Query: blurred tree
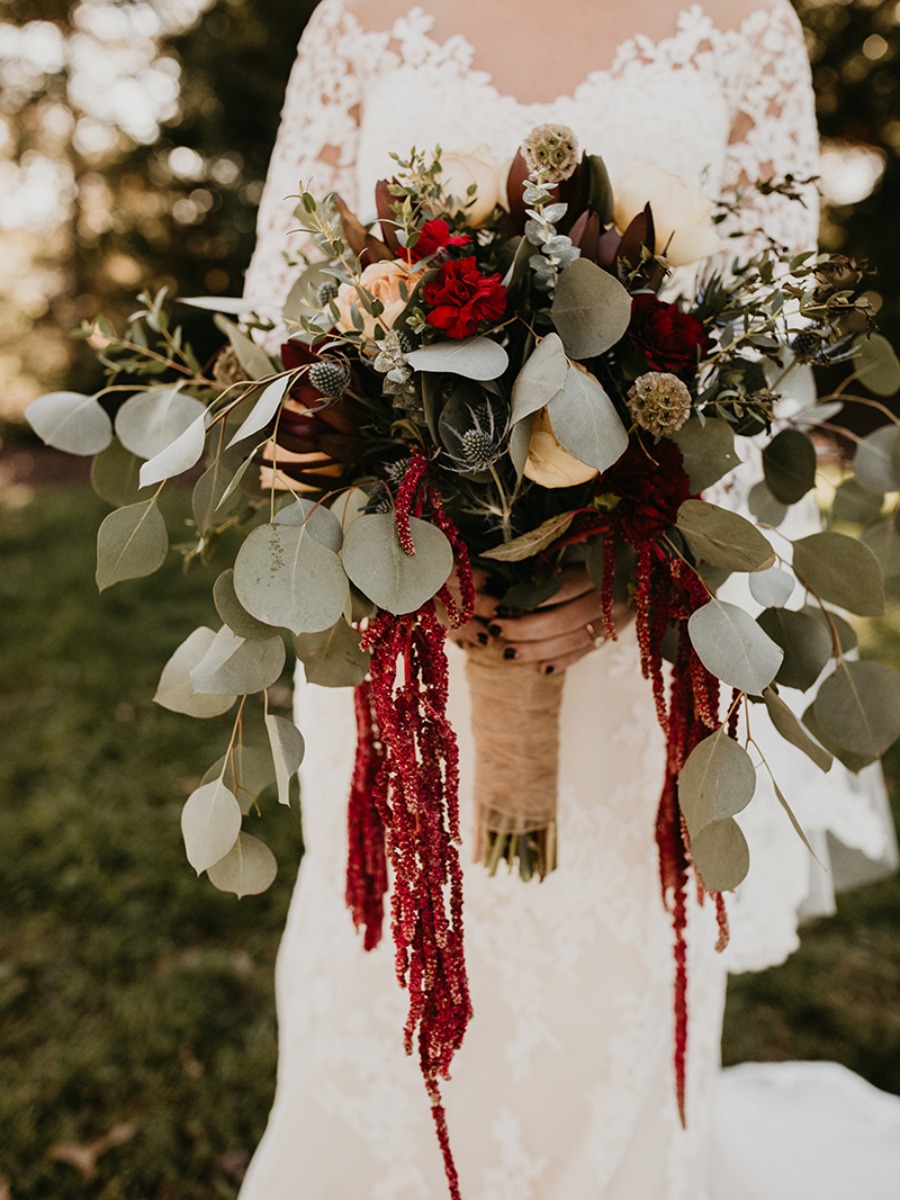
pixel 148 124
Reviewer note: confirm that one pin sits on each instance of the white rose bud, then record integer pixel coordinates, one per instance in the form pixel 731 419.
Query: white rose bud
pixel 682 216
pixel 462 168
pixel 548 463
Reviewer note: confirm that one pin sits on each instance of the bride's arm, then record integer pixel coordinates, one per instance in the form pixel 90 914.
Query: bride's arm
pixel 316 144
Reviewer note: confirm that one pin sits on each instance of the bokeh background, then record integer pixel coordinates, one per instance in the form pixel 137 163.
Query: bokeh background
pixel 137 1037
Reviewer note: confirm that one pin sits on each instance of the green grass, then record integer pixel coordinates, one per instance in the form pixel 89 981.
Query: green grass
pixel 132 994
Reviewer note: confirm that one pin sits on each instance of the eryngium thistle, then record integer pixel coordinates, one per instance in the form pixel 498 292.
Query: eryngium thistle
pixel 330 378
pixel 659 402
pixel 551 150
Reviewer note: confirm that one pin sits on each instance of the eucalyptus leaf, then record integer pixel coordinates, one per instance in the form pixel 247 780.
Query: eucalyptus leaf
pixel 817 413
pixel 788 725
pixel 853 762
pixel 334 657
pixel 175 690
pixel 856 504
pixel 877 365
pixel 283 576
pixel 149 422
pixel 707 448
pixel 789 464
pixel 115 475
pixel 479 358
pixel 721 855
pixel 858 707
pixel 806 643
pixel 182 454
pixel 235 482
pixel 318 520
pixel 520 444
pixel 771 588
pixel 70 421
pixel 263 411
pixel 543 375
pixel 131 542
pixel 764 506
pixel 591 309
pixel 288 749
pixel 838 628
pixel 348 505
pixel 207 500
pixel 252 358
pixel 381 569
pixel 723 538
pixel 233 613
pixel 248 868
pixel 883 539
pixel 235 306
pixel 732 647
pixel 526 545
pixel 210 824
pixel 875 461
pixel 717 781
pixel 841 570
pixel 248 769
pixel 798 828
pixel 234 665
pixel 585 421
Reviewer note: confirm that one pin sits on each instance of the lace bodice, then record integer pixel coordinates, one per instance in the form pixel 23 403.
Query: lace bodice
pixel 357 94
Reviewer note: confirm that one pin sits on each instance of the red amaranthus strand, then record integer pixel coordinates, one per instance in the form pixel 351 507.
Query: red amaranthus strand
pixel 414 789
pixel 367 879
pixel 667 593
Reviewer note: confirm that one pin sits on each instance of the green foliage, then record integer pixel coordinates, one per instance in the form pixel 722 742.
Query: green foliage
pixel 129 992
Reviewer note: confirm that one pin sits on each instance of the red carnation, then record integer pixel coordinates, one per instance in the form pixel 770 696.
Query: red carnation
pixel 461 298
pixel 434 236
pixel 670 339
pixel 651 487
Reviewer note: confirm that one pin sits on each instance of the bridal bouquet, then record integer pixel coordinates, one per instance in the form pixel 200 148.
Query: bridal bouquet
pixel 491 376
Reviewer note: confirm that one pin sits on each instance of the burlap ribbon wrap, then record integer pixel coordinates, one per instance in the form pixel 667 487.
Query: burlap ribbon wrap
pixel 515 726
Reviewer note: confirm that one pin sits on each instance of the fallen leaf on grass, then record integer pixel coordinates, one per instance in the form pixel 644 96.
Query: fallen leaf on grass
pixel 84 1156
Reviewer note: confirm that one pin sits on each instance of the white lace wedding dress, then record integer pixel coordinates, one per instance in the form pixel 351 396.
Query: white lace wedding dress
pixel 563 1089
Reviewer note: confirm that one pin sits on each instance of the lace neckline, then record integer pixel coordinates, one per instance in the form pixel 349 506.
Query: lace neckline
pixel 693 25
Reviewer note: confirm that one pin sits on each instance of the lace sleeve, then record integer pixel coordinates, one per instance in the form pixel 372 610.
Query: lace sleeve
pixel 773 130
pixel 316 143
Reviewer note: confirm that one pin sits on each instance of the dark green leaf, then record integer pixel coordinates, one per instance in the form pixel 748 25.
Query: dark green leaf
pixel 842 571
pixel 707 448
pixel 789 464
pixel 856 504
pixel 333 658
pixel 875 463
pixel 131 542
pixel 115 475
pixel 806 643
pixel 723 538
pixel 788 725
pixel 877 365
pixel 858 708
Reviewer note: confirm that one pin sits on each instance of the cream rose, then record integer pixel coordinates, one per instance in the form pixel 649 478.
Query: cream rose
pixel 548 463
pixel 682 216
pixel 383 281
pixel 462 168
